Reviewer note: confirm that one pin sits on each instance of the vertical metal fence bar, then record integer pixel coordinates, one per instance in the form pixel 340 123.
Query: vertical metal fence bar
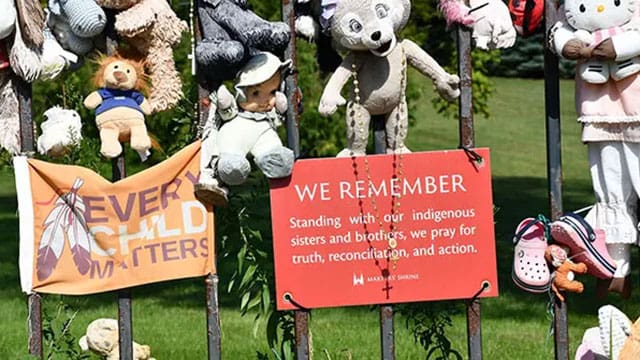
pixel 467 140
pixel 27 146
pixel 214 347
pixel 387 336
pixel 293 95
pixel 301 317
pixel 554 168
pixel 213 318
pixel 118 172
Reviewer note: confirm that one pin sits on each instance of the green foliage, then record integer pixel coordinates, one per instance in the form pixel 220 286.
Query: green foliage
pixel 428 323
pixel 526 60
pixel 58 342
pixel 246 244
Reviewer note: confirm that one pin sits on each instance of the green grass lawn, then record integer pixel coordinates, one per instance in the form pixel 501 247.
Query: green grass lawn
pixel 171 316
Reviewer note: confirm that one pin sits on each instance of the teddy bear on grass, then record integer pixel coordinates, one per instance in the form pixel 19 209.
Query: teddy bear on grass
pixel 102 339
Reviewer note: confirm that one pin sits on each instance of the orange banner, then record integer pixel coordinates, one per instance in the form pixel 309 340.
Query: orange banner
pixel 81 234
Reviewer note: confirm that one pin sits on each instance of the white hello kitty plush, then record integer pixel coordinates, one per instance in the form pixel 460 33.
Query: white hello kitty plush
pixel 595 21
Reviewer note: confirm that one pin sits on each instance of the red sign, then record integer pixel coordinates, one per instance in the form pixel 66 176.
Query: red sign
pixel 384 229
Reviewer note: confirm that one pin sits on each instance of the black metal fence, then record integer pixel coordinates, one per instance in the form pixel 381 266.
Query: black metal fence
pixel 386 312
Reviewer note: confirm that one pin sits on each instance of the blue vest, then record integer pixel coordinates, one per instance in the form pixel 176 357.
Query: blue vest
pixel 113 98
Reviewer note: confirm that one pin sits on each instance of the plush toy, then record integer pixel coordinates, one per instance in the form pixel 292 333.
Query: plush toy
pixel 249 128
pixel 489 20
pixel 377 61
pixel 153 29
pixel 102 339
pixel 592 23
pixel 231 34
pixel 609 338
pixel 9 118
pixel 631 348
pixel 85 18
pixel 61 29
pixel 120 106
pixel 9 115
pixel 565 270
pixel 30 21
pixel 61 130
pixel 8 18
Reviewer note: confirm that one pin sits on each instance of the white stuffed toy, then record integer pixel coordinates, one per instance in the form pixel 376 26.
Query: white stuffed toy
pixel 102 339
pixel 489 20
pixel 9 119
pixel 61 130
pixel 592 23
pixel 248 127
pixel 377 61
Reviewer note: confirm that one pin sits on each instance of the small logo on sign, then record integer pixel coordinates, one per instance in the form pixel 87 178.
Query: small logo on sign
pixel 358 280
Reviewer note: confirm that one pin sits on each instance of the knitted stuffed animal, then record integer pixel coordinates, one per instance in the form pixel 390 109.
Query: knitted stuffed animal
pixel 120 107
pixel 564 277
pixel 102 339
pixel 377 60
pixel 60 131
pixel 592 23
pixel 231 34
pixel 85 18
pixel 153 29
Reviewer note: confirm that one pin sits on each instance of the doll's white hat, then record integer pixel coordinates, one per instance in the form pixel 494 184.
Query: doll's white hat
pixel 259 69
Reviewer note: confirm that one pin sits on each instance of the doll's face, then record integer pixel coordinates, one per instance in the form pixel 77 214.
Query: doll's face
pixel 261 97
pixel 593 15
pixel 120 75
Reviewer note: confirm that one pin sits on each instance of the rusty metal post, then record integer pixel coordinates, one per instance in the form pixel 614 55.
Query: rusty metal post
pixel 467 140
pixel 301 317
pixel 291 82
pixel 387 336
pixel 214 347
pixel 554 168
pixel 213 318
pixel 118 172
pixel 27 147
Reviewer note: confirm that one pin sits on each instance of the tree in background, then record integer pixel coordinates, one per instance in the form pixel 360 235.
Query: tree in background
pixel 526 60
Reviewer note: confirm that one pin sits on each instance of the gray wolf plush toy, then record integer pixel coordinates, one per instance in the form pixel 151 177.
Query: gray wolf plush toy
pixel 377 60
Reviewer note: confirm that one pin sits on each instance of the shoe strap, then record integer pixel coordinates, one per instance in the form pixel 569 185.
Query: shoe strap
pixel 541 219
pixel 591 235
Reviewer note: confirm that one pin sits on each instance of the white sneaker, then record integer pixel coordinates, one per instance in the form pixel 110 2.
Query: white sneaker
pixel 622 69
pixel 594 71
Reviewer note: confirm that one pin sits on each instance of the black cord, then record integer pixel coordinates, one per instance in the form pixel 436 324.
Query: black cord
pixel 289 298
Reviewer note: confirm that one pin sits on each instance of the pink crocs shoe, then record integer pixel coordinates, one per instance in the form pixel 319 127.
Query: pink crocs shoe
pixel 530 270
pixel 586 245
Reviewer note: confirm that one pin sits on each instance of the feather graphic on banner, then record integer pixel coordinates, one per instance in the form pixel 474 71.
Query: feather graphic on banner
pixel 66 218
pixel 51 241
pixel 77 231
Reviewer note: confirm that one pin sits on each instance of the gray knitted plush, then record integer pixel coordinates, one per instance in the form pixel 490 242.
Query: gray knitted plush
pixel 85 17
pixel 231 34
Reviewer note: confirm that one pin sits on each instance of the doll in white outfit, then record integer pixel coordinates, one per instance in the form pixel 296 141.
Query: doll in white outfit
pixel 248 127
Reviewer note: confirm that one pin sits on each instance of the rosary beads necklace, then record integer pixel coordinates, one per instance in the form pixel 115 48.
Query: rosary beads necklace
pixel 392 234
